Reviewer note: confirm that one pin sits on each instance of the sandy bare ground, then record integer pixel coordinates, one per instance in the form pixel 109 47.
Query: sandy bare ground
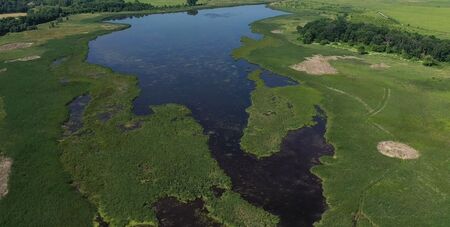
pixel 319 65
pixel 6 15
pixel 3 70
pixel 14 46
pixel 380 66
pixel 397 150
pixel 29 58
pixel 277 31
pixel 5 169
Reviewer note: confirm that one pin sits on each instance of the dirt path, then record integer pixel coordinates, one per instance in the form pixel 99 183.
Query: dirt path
pixel 29 58
pixel 386 96
pixel 366 106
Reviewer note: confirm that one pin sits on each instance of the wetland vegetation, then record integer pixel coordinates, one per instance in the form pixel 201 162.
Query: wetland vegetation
pixel 205 125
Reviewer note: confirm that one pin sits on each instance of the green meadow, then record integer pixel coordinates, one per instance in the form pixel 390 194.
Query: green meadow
pixel 405 102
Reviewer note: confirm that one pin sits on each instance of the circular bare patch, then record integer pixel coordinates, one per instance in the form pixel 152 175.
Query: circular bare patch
pixel 397 150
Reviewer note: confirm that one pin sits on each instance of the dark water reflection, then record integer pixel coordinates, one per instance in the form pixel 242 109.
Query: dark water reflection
pixel 185 58
pixel 274 80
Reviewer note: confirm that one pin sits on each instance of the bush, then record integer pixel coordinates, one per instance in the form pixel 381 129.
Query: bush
pixel 361 50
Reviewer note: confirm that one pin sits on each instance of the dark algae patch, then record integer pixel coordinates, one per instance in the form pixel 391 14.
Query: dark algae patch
pixel 274 80
pixel 76 111
pixel 173 213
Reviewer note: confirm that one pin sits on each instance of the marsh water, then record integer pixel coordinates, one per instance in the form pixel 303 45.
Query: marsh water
pixel 184 58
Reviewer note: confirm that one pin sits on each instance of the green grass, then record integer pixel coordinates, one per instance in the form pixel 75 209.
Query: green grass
pixel 274 112
pixel 361 184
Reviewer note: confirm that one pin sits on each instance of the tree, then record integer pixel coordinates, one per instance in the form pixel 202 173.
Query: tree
pixel 191 2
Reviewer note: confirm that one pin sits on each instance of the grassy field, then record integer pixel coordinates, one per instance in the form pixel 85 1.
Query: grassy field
pixel 406 102
pixel 416 16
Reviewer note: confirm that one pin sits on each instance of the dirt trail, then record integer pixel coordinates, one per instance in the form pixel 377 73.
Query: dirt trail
pixel 5 169
pixel 368 108
pixel 28 58
pixel 386 96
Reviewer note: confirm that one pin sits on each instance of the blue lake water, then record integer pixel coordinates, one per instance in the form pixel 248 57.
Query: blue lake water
pixel 186 59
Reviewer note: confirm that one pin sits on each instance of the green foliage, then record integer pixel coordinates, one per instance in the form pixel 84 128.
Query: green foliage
pixel 429 61
pixel 191 2
pixel 274 112
pixel 172 160
pixel 361 50
pixel 378 38
pixel 233 211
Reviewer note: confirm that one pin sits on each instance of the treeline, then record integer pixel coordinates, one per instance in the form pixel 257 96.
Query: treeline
pixel 34 17
pixel 379 39
pixel 41 14
pixel 106 6
pixel 13 6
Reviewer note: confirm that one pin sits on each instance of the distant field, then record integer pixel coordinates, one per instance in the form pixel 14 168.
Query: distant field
pixel 6 15
pixel 433 19
pixel 166 2
pixel 209 2
pixel 427 17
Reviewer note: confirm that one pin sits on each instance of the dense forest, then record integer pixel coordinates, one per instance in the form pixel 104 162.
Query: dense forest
pixel 48 10
pixel 376 38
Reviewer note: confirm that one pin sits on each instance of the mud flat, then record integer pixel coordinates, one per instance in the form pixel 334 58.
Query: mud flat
pixel 14 46
pixel 319 65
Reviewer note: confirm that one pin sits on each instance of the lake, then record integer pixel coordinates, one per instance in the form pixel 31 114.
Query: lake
pixel 185 58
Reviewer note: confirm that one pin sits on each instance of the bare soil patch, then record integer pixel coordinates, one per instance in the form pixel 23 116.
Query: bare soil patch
pixel 277 31
pixel 319 65
pixel 29 58
pixel 7 15
pixel 5 169
pixel 3 70
pixel 380 66
pixel 397 150
pixel 14 46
